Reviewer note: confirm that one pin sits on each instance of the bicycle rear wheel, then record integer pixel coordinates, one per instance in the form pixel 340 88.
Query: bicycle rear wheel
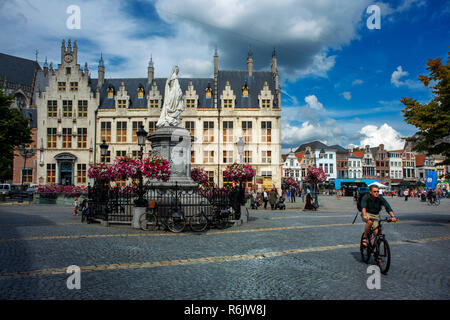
pixel 147 221
pixel 383 256
pixel 364 249
pixel 198 223
pixel 176 224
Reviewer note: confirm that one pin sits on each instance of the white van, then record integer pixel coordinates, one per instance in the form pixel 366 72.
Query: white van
pixel 5 189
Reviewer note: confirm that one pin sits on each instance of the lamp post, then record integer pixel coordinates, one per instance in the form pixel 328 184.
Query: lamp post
pixel 240 146
pixel 25 153
pixel 103 150
pixel 141 138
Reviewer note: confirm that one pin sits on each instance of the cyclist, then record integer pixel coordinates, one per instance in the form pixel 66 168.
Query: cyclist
pixel 371 207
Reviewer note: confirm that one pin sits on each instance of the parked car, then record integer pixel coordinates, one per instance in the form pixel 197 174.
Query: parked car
pixel 5 189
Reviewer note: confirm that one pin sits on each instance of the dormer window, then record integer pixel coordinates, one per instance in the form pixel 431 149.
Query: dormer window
pixel 140 93
pixel 245 90
pixel 110 93
pixel 208 92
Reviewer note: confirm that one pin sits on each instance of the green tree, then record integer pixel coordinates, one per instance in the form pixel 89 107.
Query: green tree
pixel 14 131
pixel 432 119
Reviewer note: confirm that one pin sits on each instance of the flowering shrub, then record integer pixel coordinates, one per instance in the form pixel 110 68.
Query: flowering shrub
pixel 315 175
pixel 239 172
pixel 155 167
pixel 199 176
pixel 101 172
pixel 125 167
pixel 51 191
pixel 291 183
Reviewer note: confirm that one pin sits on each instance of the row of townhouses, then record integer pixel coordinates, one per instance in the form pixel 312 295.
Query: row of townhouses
pixel 73 114
pixel 390 167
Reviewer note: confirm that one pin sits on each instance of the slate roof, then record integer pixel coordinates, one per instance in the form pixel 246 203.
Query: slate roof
pixel 17 70
pixel 315 145
pixel 339 149
pixel 255 83
pixel 132 85
pixel 40 83
pixel 237 80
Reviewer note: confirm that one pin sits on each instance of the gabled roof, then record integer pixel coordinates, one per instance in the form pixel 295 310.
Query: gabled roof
pixel 17 70
pixel 283 157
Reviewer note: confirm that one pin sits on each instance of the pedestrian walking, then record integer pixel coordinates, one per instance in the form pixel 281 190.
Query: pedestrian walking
pixel 406 194
pixel 265 198
pixel 76 206
pixel 273 197
pixel 293 190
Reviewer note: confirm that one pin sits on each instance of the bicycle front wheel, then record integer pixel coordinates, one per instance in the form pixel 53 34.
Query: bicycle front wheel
pixel 437 202
pixel 176 224
pixel 364 249
pixel 383 256
pixel 198 223
pixel 147 221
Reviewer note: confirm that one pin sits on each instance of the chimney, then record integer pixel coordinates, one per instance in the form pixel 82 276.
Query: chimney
pixel 250 62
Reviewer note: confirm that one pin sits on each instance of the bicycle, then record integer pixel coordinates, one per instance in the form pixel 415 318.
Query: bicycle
pixel 378 246
pixel 219 219
pixel 174 221
pixel 436 202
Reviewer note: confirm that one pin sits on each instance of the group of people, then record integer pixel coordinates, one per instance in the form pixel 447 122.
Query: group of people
pixel 271 197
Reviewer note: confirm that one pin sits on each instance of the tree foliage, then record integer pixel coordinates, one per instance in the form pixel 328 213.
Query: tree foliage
pixel 14 131
pixel 432 119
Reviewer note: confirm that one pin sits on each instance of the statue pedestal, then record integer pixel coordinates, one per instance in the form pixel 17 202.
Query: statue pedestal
pixel 174 144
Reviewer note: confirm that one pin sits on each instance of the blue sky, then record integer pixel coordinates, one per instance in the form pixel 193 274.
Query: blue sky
pixel 341 82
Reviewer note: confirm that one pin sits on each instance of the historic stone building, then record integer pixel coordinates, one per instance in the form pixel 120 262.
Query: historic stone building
pixel 368 164
pixel 76 113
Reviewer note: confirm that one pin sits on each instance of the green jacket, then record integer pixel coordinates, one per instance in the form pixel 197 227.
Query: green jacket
pixel 373 206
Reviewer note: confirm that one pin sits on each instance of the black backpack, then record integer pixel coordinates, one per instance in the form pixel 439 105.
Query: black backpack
pixel 358 202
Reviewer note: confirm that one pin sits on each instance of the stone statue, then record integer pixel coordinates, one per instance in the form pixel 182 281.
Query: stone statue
pixel 173 102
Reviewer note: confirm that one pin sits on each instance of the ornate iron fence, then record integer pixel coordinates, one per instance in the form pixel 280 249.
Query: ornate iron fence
pixel 115 204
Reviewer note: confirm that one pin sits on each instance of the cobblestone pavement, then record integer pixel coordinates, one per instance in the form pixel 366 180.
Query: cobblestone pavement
pixel 291 254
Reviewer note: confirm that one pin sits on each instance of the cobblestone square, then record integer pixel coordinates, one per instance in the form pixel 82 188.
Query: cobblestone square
pixel 277 255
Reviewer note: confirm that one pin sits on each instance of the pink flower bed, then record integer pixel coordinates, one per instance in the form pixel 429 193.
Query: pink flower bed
pixel 125 167
pixel 239 172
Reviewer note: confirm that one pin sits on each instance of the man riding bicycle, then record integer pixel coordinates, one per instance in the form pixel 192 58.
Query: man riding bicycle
pixel 371 207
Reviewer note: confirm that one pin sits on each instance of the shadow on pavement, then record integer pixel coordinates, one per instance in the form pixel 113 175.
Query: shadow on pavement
pixel 16 256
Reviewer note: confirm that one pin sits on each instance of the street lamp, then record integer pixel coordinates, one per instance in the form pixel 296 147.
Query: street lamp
pixel 141 138
pixel 25 153
pixel 103 150
pixel 240 146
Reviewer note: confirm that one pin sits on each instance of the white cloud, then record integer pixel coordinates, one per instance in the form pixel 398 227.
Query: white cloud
pixel 313 103
pixel 400 73
pixel 396 75
pixel 357 82
pixel 374 136
pixel 347 95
